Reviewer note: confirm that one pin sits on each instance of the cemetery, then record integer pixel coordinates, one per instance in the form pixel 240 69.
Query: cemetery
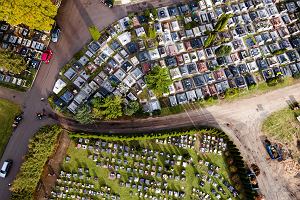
pixel 191 166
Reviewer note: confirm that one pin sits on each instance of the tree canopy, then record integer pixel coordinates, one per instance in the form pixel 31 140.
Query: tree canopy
pixel 222 22
pixel 210 39
pixel 159 80
pixel 40 147
pixel 107 108
pixel 37 14
pixel 84 115
pixel 223 50
pixel 131 108
pixel 12 62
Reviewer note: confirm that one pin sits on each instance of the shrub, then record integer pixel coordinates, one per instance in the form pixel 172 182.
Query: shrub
pixel 94 33
pixel 151 33
pixel 279 51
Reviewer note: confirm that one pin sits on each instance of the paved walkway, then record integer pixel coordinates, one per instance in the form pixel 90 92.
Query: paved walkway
pixel 74 18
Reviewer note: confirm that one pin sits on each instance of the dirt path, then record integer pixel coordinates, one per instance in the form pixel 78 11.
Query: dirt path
pixel 52 168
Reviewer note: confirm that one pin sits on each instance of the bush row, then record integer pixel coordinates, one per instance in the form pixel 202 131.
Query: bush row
pixel 40 148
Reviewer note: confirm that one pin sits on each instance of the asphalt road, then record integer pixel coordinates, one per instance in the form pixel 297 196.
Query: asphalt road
pixel 74 18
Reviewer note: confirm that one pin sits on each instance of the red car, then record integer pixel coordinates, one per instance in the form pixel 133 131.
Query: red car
pixel 46 56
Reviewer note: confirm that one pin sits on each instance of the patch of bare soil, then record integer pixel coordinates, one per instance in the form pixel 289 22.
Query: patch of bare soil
pixel 52 168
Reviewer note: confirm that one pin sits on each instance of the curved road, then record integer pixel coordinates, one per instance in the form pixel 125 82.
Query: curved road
pixel 74 18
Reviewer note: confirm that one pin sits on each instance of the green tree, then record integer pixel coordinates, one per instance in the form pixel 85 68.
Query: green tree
pixel 94 33
pixel 154 13
pixel 222 22
pixel 223 50
pixel 151 33
pixel 40 148
pixel 107 108
pixel 84 115
pixel 147 14
pixel 159 80
pixel 131 108
pixel 37 14
pixel 210 39
pixel 12 62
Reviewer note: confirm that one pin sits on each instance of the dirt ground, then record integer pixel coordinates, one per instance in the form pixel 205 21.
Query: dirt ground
pixel 52 168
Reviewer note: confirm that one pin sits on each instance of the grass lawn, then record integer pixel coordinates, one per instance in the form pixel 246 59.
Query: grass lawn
pixel 81 158
pixel 283 125
pixel 8 111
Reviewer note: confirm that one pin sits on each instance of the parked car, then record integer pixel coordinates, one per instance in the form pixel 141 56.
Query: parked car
pixel 55 34
pixel 46 56
pixel 17 120
pixel 108 3
pixel 5 168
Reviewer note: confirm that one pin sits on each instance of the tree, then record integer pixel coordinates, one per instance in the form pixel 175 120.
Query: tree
pixel 107 108
pixel 12 62
pixel 131 108
pixel 94 33
pixel 223 50
pixel 84 115
pixel 159 80
pixel 210 39
pixel 151 33
pixel 40 148
pixel 222 22
pixel 154 13
pixel 37 14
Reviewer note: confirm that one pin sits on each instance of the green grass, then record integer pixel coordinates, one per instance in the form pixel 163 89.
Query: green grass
pixel 79 158
pixel 283 125
pixel 8 111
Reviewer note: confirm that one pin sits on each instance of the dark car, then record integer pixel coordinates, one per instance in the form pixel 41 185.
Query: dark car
pixel 108 3
pixel 55 34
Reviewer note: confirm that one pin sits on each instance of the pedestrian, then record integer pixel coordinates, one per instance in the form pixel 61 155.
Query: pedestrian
pixel 42 99
pixel 9 184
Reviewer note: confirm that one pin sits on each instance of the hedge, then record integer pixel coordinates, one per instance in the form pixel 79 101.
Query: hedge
pixel 142 136
pixel 40 148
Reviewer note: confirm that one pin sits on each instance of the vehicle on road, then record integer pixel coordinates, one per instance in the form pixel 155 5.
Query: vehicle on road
pixel 46 56
pixel 39 116
pixel 17 120
pixel 108 3
pixel 5 168
pixel 55 34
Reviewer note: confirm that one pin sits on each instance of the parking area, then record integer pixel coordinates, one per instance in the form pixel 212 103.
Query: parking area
pixel 31 45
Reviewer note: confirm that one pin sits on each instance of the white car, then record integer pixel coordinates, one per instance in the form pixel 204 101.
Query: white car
pixel 5 168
